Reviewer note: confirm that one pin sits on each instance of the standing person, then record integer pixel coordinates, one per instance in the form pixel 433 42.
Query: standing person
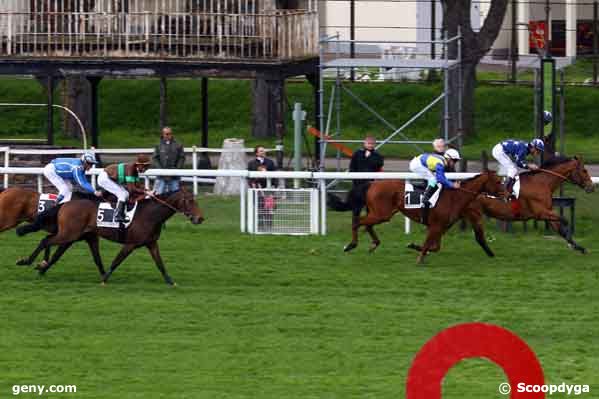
pixel 62 173
pixel 122 180
pixel 366 159
pixel 260 163
pixel 511 154
pixel 169 154
pixel 439 146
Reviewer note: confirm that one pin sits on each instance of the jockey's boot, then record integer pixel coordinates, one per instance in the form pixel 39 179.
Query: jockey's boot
pixel 426 204
pixel 509 188
pixel 119 213
pixel 46 218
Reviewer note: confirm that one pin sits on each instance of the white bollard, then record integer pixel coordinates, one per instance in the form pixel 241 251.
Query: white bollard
pixel 233 157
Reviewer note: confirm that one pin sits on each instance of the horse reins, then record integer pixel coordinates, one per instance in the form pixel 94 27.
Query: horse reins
pixel 163 202
pixel 553 173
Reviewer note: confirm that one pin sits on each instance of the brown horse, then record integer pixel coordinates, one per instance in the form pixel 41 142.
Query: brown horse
pixel 77 220
pixel 17 205
pixel 535 199
pixel 386 197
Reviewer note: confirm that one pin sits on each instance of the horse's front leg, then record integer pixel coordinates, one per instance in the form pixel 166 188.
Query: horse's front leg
pixel 374 238
pixel 431 244
pixel 155 252
pixel 355 225
pixel 43 245
pixel 560 225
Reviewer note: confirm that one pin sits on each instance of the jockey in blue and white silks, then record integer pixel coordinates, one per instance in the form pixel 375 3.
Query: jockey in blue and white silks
pixel 511 154
pixel 431 167
pixel 63 172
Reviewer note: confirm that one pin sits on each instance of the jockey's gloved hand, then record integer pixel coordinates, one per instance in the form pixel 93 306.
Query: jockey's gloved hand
pixel 456 185
pixel 532 166
pixel 98 194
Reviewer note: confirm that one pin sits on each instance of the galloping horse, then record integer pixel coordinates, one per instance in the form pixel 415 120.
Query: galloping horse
pixel 19 205
pixel 386 197
pixel 535 199
pixel 77 220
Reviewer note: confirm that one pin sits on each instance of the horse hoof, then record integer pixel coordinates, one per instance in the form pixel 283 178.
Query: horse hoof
pixel 349 247
pixel 374 246
pixel 23 262
pixel 103 283
pixel 43 265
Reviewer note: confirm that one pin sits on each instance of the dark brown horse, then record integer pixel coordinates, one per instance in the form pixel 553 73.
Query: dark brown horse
pixel 19 205
pixel 535 199
pixel 386 197
pixel 77 220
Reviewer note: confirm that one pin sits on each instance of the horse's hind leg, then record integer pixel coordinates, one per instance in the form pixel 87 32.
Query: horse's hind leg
pixel 155 252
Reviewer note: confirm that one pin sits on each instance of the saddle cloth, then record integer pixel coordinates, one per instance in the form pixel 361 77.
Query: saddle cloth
pixel 105 217
pixel 413 196
pixel 46 202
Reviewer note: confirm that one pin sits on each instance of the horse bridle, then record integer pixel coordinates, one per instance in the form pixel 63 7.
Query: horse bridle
pixel 167 204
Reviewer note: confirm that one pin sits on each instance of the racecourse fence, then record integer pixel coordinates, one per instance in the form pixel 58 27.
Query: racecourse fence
pixel 244 175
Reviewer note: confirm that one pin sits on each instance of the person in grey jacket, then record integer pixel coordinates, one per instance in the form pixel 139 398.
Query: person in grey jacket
pixel 168 155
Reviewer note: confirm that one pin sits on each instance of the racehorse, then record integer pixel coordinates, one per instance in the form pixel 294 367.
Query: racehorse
pixel 535 199
pixel 19 205
pixel 77 220
pixel 386 197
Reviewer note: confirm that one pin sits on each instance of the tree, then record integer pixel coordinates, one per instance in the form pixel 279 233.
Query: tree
pixel 456 14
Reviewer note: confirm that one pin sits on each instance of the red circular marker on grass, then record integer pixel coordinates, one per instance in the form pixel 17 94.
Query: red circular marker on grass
pixel 473 340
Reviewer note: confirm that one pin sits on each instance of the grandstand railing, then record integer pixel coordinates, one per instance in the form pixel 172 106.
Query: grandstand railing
pixel 244 175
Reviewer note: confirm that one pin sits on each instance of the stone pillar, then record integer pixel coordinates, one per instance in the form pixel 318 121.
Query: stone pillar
pixel 523 18
pixel 230 160
pixel 571 28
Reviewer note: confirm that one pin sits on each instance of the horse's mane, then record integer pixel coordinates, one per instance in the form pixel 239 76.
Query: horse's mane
pixel 556 160
pixel 165 196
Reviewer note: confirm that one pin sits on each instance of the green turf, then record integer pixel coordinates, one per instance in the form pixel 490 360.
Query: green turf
pixel 129 114
pixel 293 317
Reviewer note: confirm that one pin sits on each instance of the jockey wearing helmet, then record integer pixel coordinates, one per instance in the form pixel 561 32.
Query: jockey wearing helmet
pixel 431 167
pixel 511 154
pixel 115 176
pixel 62 173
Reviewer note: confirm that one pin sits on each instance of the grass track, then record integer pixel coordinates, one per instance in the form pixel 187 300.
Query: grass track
pixel 289 317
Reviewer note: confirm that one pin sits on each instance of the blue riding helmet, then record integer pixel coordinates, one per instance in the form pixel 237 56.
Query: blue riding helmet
pixel 538 144
pixel 89 157
pixel 547 117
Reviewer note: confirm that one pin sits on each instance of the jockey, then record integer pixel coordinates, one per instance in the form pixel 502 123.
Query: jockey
pixel 511 154
pixel 62 173
pixel 431 167
pixel 115 176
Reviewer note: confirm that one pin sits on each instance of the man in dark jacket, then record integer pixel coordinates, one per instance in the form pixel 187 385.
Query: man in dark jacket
pixel 260 163
pixel 366 159
pixel 168 155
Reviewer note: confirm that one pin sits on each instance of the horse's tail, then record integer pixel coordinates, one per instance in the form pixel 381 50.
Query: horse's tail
pixel 336 204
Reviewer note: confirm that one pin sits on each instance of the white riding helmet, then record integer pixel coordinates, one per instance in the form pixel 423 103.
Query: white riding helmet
pixel 452 154
pixel 89 157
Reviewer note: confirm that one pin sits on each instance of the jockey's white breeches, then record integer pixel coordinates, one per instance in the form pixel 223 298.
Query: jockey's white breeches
pixel 64 187
pixel 424 172
pixel 505 161
pixel 107 184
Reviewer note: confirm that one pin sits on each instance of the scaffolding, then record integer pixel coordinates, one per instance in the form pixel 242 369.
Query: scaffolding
pixel 340 62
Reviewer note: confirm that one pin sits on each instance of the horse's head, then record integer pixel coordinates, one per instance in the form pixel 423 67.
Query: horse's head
pixel 492 183
pixel 185 202
pixel 581 177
